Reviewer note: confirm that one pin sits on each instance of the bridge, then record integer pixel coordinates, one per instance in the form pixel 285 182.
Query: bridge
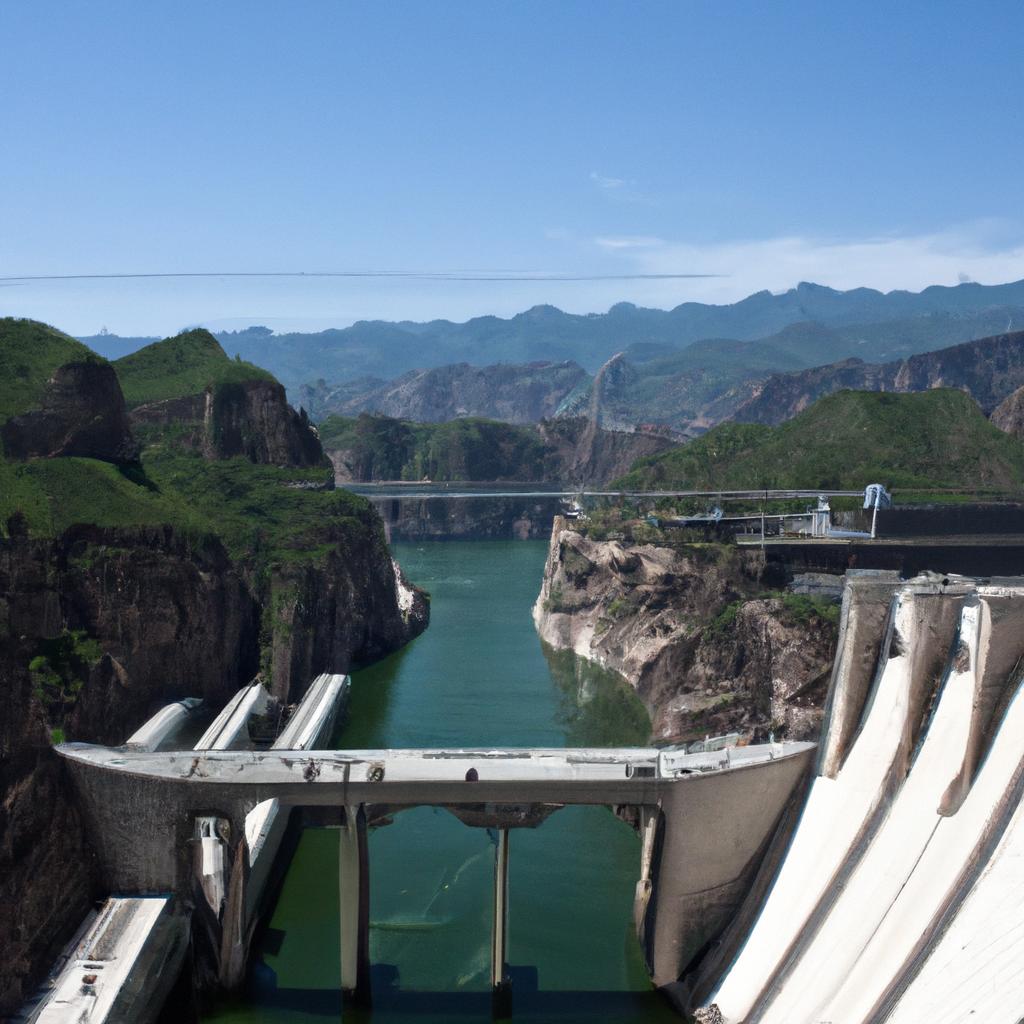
pixel 705 819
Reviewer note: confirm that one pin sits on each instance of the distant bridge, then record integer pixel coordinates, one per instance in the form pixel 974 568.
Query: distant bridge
pixel 421 491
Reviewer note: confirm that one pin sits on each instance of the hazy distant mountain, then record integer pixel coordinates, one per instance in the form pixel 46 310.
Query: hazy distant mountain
pixel 513 394
pixel 839 320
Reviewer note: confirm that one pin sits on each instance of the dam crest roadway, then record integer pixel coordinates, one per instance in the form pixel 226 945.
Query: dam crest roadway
pixel 143 806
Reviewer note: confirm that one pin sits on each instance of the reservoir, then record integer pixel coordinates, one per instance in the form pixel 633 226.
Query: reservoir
pixel 477 677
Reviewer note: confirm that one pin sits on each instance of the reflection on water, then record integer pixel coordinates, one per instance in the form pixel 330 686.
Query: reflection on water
pixel 596 707
pixel 478 676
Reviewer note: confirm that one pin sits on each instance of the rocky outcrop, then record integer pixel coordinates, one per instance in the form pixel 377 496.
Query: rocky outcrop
pixel 82 414
pixel 988 369
pixel 352 608
pixel 154 617
pixel 1009 414
pixel 589 455
pixel 252 419
pixel 513 393
pixel 692 629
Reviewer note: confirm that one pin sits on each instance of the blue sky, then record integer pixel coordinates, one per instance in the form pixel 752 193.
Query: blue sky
pixel 865 143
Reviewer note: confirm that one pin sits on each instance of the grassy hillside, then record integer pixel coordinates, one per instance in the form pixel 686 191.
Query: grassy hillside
pixel 382 448
pixel 937 438
pixel 29 353
pixel 254 509
pixel 183 365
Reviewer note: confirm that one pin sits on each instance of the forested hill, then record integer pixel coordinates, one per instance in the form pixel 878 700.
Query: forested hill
pixel 934 439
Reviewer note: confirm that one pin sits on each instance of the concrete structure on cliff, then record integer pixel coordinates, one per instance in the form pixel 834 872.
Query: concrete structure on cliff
pixel 696 862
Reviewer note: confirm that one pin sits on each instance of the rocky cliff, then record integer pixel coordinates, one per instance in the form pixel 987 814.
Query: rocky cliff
pixel 707 645
pixel 1009 414
pixel 988 369
pixel 81 413
pixel 248 418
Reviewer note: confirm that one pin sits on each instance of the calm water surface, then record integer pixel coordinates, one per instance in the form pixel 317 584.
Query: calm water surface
pixel 477 676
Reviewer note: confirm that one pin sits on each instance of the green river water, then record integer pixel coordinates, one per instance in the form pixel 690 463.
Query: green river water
pixel 477 676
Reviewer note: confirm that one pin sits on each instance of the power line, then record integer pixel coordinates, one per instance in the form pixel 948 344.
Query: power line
pixel 481 275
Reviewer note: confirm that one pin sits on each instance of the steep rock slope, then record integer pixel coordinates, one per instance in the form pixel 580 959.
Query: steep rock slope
pixel 1008 416
pixel 692 630
pixel 82 413
pixel 988 369
pixel 215 405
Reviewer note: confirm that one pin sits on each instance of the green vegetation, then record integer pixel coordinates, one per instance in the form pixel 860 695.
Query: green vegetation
pixel 256 512
pixel 797 609
pixel 53 494
pixel 183 365
pixel 59 672
pixel 29 353
pixel 725 619
pixel 935 439
pixel 382 448
pixel 801 608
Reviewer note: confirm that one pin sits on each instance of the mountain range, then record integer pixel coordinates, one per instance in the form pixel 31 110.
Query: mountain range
pixel 860 322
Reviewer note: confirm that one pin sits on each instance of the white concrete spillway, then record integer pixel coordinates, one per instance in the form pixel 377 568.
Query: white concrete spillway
pixel 899 897
pixel 102 978
pixel 164 725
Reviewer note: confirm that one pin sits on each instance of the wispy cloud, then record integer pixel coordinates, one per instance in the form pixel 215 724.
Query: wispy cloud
pixel 617 243
pixel 621 190
pixel 608 184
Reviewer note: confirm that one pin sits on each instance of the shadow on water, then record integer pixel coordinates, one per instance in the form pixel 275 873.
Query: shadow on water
pixel 367 716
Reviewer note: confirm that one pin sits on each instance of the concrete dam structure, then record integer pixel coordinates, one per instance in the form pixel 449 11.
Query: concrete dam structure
pixel 899 896
pixel 179 824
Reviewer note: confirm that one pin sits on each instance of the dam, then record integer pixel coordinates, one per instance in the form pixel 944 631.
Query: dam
pixel 918 769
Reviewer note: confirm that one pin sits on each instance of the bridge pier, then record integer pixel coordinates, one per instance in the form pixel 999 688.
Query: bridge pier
pixel 501 986
pixel 354 899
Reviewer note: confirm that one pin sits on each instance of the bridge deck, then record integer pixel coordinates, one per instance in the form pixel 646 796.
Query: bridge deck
pixel 410 777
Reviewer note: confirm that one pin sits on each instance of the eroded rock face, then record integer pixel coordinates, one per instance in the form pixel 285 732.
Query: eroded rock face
pixel 252 419
pixel 988 369
pixel 170 621
pixel 686 628
pixel 168 617
pixel 1009 414
pixel 47 877
pixel 83 414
